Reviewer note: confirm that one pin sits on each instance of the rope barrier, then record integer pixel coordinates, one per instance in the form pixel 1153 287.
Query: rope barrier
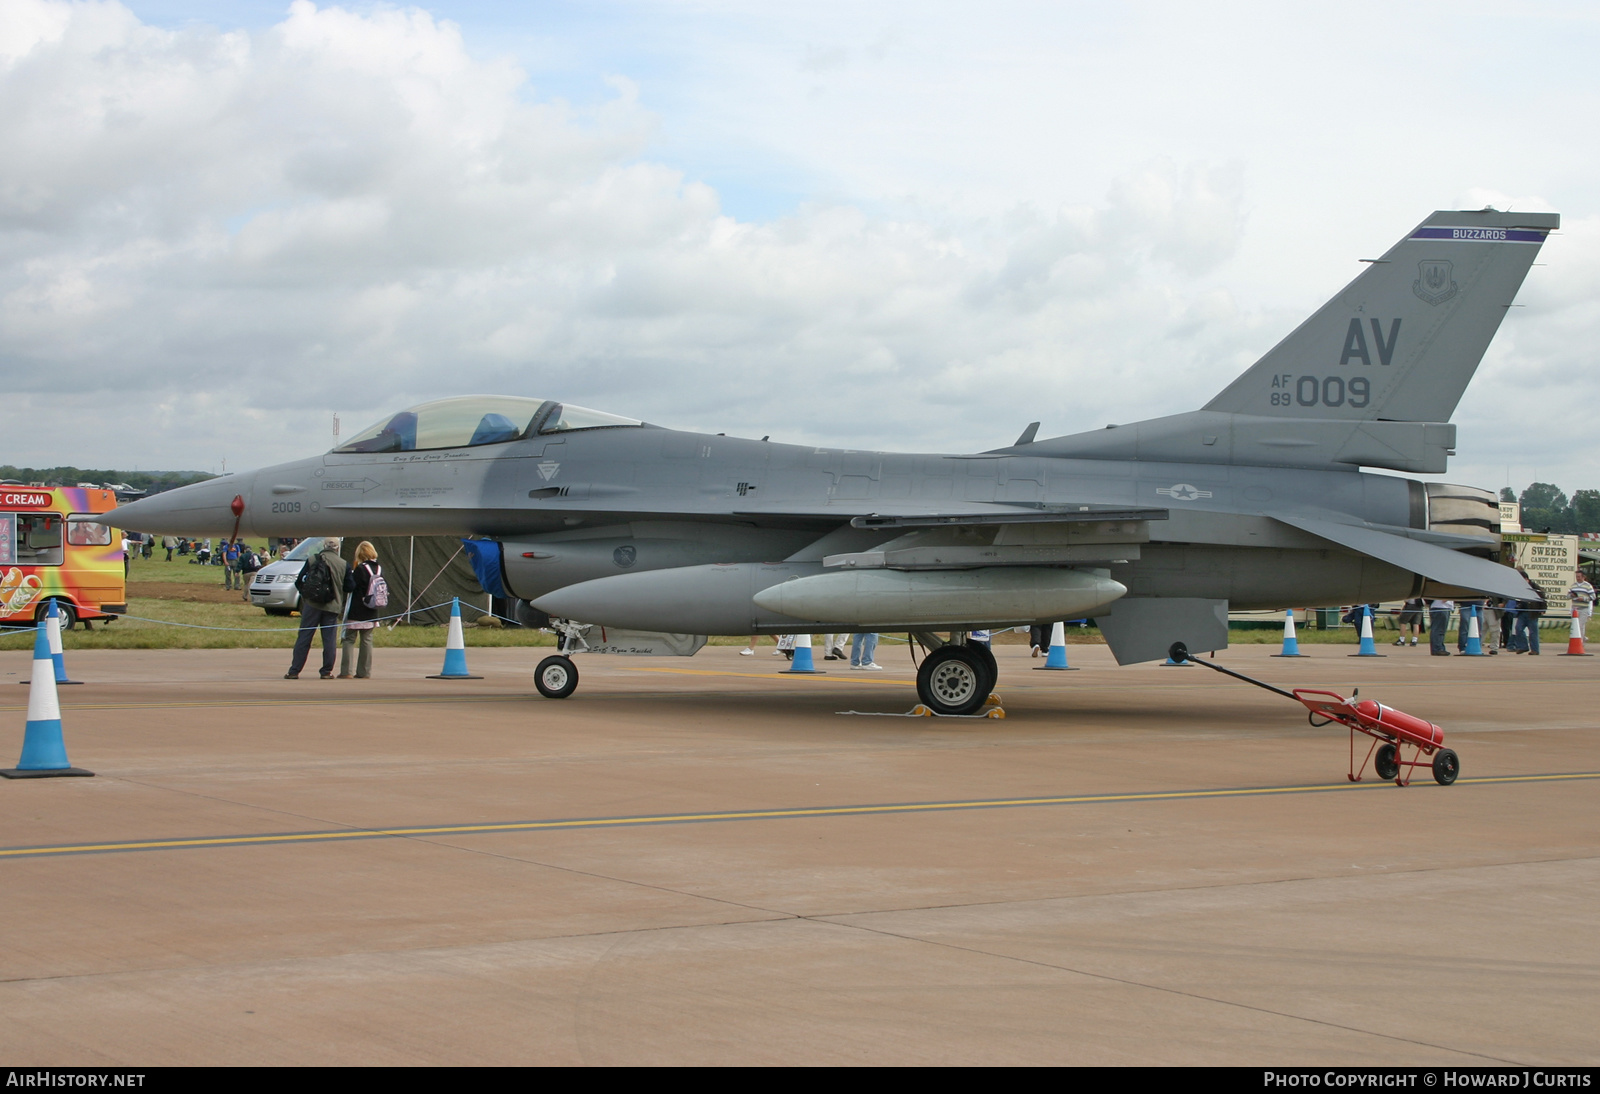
pixel 10 631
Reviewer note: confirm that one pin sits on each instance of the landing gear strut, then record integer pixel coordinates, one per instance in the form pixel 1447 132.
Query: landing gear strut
pixel 557 677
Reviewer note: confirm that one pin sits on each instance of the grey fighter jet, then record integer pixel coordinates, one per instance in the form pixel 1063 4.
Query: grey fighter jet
pixel 1154 529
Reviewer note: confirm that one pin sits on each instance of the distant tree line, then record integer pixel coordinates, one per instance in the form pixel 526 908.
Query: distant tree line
pixel 1546 509
pixel 153 481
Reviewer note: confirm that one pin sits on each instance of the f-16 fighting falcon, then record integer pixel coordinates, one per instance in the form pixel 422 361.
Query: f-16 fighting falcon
pixel 1154 529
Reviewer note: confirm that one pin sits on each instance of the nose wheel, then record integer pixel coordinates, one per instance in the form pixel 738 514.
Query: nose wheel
pixel 956 679
pixel 556 677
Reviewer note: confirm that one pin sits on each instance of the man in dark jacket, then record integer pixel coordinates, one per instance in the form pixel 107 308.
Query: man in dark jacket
pixel 319 614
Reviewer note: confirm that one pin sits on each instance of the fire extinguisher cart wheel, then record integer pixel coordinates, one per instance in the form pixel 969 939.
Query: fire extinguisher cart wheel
pixel 1446 766
pixel 1384 762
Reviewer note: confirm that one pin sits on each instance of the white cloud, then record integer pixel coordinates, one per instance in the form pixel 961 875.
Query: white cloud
pixel 349 211
pixel 1531 408
pixel 210 240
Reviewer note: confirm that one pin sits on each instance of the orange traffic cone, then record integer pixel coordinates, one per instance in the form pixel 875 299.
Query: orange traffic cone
pixel 1575 640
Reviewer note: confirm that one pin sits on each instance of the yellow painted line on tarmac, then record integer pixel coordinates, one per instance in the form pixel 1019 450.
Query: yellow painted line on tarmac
pixel 348 834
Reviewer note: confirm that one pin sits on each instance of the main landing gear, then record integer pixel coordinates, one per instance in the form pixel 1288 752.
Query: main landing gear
pixel 956 677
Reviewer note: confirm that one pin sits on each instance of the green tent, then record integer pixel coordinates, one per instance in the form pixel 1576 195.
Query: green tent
pixel 424 572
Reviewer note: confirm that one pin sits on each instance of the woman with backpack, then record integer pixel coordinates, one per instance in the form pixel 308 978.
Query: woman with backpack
pixel 369 595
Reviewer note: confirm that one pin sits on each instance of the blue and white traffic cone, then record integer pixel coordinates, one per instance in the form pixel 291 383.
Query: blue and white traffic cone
pixel 53 629
pixel 44 753
pixel 1368 647
pixel 802 662
pixel 455 649
pixel 1291 644
pixel 1056 660
pixel 1474 641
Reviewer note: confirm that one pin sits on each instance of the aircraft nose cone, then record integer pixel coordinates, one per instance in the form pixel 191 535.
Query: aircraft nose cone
pixel 213 507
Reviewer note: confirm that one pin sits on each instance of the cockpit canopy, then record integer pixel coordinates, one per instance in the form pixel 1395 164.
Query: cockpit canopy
pixel 470 420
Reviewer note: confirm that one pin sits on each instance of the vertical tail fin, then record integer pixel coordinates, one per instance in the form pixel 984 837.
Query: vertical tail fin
pixel 1403 339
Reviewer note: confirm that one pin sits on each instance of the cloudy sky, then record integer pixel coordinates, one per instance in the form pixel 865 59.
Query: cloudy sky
pixel 896 225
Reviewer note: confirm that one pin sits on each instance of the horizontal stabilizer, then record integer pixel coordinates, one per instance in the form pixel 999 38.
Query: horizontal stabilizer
pixel 1435 563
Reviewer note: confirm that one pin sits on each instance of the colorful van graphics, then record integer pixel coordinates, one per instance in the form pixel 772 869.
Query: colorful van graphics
pixel 53 548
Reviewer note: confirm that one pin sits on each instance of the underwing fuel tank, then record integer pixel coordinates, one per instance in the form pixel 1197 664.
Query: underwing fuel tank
pixel 712 599
pixel 748 598
pixel 1000 594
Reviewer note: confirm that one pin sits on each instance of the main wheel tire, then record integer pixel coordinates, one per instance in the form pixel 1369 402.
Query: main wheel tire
pixel 989 663
pixel 1385 763
pixel 953 680
pixel 64 611
pixel 556 677
pixel 1446 767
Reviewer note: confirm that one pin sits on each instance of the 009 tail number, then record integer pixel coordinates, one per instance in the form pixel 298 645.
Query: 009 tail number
pixel 1321 391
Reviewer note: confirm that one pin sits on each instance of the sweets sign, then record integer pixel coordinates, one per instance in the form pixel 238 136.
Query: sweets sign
pixel 8 539
pixel 1550 560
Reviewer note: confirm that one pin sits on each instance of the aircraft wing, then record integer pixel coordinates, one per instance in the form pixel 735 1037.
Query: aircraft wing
pixel 992 515
pixel 1436 563
pixel 919 515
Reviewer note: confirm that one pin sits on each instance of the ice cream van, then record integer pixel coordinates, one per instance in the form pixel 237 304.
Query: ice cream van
pixel 54 547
